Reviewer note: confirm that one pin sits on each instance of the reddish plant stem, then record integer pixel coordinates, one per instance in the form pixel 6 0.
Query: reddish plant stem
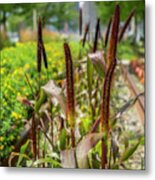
pixel 105 110
pixel 95 126
pixel 34 137
pixel 104 154
pixel 38 142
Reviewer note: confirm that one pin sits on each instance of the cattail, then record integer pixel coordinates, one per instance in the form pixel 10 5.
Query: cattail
pixel 114 36
pixel 106 97
pixel 39 46
pixel 96 35
pixel 85 34
pixel 101 37
pixel 122 31
pixel 104 119
pixel 41 49
pixel 107 32
pixel 44 56
pixel 70 109
pixel 39 30
pixel 80 21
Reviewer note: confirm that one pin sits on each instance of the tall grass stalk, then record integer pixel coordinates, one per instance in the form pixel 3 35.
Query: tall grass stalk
pixel 105 109
pixel 70 106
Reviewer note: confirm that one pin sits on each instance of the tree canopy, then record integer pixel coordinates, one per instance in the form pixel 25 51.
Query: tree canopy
pixel 105 9
pixel 55 14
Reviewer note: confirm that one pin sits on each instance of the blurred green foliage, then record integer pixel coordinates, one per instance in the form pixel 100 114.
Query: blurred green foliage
pixel 56 14
pixel 105 9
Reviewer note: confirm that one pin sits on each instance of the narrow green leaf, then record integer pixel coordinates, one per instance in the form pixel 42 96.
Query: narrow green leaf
pixel 22 152
pixel 24 147
pixel 55 163
pixel 115 166
pixel 40 101
pixel 129 152
pixel 63 137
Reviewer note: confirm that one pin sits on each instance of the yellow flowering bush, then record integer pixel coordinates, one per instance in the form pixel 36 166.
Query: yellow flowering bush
pixel 15 63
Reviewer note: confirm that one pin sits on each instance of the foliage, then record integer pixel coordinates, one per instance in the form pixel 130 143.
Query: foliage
pixel 125 9
pixel 20 15
pixel 15 63
pixel 63 104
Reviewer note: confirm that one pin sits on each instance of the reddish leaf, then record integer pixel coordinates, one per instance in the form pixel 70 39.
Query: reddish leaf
pixel 86 144
pixel 68 158
pixel 51 89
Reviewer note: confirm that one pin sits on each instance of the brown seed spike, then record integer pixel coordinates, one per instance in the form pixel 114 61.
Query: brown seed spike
pixel 106 97
pixel 114 36
pixel 70 107
pixel 85 34
pixel 39 46
pixel 39 57
pixel 96 35
pixel 107 32
pixel 104 119
pixel 80 21
pixel 44 56
pixel 39 30
pixel 122 31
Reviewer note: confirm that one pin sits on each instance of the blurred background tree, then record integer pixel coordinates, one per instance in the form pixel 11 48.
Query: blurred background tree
pixel 126 7
pixel 61 17
pixel 54 14
pixel 16 17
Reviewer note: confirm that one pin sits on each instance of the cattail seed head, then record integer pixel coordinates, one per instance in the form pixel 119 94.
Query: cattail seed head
pixel 80 21
pixel 114 36
pixel 107 32
pixel 126 24
pixel 70 109
pixel 85 34
pixel 40 48
pixel 96 35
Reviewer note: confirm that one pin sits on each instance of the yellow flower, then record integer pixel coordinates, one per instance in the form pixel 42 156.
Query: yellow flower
pixel 15 115
pixel 1 147
pixel 26 67
pixel 18 94
pixel 1 139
